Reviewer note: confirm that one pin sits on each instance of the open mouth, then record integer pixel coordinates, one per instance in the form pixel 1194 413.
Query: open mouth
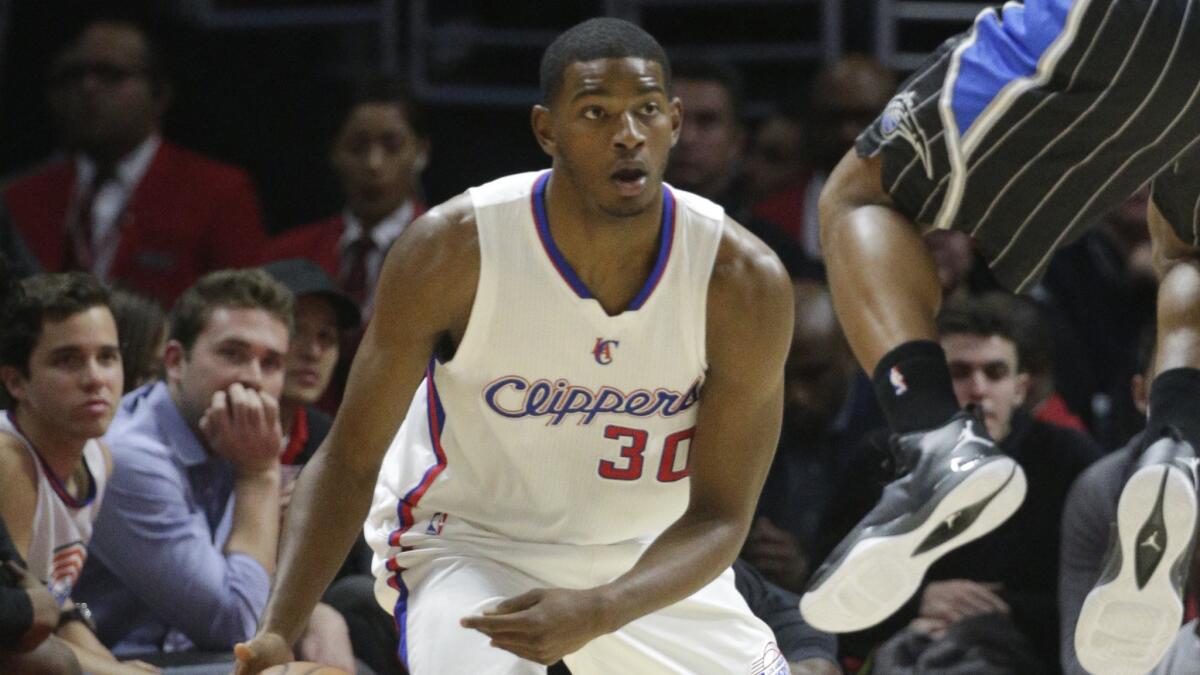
pixel 629 181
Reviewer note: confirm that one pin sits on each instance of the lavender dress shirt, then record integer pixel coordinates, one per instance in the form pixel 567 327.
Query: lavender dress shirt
pixel 157 577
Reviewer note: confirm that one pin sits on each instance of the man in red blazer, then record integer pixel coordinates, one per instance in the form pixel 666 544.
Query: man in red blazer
pixel 126 204
pixel 379 153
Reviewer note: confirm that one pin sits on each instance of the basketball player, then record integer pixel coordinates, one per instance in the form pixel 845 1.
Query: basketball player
pixel 1021 133
pixel 581 458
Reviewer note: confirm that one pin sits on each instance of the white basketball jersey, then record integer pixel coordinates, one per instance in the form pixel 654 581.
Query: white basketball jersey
pixel 555 422
pixel 62 525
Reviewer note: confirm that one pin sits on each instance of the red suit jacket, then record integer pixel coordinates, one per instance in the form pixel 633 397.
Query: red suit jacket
pixel 319 242
pixel 316 241
pixel 189 215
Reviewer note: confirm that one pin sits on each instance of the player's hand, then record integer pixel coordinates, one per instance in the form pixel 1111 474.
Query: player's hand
pixel 957 599
pixel 45 607
pixel 264 651
pixel 777 554
pixel 544 624
pixel 242 425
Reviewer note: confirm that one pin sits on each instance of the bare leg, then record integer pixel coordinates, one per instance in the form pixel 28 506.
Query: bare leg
pixel 1178 343
pixel 883 279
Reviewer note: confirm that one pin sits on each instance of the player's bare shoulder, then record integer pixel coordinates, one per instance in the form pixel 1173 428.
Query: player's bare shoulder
pixel 749 288
pixel 434 264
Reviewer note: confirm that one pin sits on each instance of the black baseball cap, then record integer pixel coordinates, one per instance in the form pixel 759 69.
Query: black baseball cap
pixel 302 276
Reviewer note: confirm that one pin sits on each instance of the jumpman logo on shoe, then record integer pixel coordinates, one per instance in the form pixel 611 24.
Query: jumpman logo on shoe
pixel 968 434
pixel 1152 542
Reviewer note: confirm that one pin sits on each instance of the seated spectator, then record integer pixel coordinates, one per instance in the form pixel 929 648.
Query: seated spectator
pixel 378 153
pixel 992 574
pixel 1087 521
pixel 61 370
pixel 1101 290
pixel 1033 328
pixel 126 204
pixel 195 491
pixel 707 156
pixel 823 420
pixel 143 330
pixel 843 100
pixel 322 315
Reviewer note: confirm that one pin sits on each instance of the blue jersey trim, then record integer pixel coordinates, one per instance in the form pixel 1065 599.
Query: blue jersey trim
pixel 1007 47
pixel 665 244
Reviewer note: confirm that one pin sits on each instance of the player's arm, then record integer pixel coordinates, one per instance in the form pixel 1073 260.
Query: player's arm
pixel 749 328
pixel 425 292
pixel 750 308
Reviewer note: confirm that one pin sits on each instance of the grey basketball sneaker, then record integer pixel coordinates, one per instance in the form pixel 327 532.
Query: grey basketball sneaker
pixel 1130 618
pixel 957 486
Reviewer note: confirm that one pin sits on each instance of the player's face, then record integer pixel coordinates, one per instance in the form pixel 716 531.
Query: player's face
pixel 101 93
pixel 313 352
pixel 75 375
pixel 241 345
pixel 710 141
pixel 984 371
pixel 379 158
pixel 611 127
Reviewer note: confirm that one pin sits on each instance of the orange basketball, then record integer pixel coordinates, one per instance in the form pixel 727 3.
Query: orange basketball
pixel 303 668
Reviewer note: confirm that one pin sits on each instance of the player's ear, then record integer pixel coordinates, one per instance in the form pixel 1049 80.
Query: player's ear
pixel 543 130
pixel 676 113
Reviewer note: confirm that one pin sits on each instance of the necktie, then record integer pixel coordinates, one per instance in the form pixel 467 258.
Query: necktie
pixel 80 252
pixel 355 280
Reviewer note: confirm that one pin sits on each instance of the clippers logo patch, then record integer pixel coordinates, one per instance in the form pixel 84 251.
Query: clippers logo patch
pixel 899 118
pixel 603 350
pixel 436 523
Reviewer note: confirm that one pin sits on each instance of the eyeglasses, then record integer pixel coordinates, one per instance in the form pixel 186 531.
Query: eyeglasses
pixel 109 74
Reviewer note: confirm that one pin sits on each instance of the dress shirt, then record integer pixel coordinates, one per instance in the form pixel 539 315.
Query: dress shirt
pixel 382 235
pixel 109 203
pixel 158 578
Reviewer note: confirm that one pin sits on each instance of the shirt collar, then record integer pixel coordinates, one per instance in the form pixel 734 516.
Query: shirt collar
pixel 129 169
pixel 382 234
pixel 175 430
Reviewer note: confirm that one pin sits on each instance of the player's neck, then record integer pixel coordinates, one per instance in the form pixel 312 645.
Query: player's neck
pixel 62 453
pixel 573 215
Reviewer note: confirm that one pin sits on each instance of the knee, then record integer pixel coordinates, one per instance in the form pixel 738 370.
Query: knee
pixel 854 184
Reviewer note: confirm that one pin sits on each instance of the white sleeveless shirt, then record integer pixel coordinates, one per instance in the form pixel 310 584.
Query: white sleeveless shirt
pixel 62 525
pixel 555 422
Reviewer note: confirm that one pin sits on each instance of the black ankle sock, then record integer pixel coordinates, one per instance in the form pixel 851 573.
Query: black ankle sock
pixel 1174 399
pixel 913 385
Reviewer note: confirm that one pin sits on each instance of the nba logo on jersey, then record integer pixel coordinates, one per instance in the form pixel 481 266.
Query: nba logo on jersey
pixel 603 350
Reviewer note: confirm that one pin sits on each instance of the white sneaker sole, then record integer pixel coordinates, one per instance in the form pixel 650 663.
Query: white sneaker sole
pixel 881 573
pixel 1124 630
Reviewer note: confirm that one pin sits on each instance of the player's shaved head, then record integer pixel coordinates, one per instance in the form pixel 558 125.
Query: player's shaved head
pixel 601 38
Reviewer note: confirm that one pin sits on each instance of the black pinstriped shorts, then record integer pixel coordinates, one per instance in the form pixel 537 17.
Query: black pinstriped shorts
pixel 1023 131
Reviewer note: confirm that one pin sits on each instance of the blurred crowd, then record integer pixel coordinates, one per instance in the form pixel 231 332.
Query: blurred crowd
pixel 168 368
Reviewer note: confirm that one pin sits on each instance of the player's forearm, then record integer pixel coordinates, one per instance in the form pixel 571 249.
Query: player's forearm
pixel 255 530
pixel 326 514
pixel 689 554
